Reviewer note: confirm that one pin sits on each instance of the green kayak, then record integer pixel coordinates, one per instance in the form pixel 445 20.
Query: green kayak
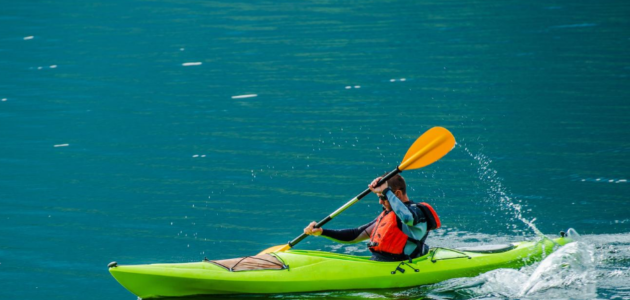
pixel 308 271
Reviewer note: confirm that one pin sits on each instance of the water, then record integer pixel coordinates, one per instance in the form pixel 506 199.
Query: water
pixel 130 132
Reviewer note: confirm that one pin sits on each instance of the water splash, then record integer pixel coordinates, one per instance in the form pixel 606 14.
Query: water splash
pixel 569 269
pixel 501 282
pixel 497 192
pixel 568 273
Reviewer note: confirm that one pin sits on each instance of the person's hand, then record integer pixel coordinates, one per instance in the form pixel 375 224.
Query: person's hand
pixel 377 189
pixel 312 230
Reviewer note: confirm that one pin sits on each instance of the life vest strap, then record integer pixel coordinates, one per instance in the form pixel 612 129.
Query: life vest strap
pixel 419 246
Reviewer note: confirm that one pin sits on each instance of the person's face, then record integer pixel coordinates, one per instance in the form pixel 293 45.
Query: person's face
pixel 384 202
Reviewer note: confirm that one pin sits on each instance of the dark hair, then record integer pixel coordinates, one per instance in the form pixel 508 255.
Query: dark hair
pixel 397 183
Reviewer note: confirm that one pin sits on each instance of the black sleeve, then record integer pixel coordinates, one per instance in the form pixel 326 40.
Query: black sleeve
pixel 347 235
pixel 418 215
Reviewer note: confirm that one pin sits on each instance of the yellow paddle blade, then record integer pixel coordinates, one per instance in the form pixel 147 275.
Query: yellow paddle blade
pixel 278 248
pixel 428 148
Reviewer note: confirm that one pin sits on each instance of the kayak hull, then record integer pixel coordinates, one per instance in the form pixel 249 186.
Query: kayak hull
pixel 310 271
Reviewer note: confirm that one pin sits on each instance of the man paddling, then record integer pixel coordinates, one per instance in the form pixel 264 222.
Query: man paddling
pixel 398 233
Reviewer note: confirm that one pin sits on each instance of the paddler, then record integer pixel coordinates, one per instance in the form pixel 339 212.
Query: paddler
pixel 398 233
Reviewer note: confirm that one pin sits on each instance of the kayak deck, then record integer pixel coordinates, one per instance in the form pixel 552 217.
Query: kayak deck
pixel 310 271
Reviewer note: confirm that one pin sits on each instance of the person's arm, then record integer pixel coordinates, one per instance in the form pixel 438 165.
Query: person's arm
pixel 349 236
pixel 400 209
pixel 346 236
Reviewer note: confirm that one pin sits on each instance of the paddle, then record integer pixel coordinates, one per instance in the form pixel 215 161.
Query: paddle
pixel 428 148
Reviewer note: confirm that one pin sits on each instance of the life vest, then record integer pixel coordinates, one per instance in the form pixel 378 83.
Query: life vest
pixel 388 238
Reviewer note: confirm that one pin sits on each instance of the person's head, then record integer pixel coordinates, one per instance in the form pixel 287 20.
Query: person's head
pixel 399 188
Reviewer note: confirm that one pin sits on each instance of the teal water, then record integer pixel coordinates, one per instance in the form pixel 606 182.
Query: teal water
pixel 123 137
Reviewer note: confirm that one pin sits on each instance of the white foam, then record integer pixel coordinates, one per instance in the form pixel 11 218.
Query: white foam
pixel 61 145
pixel 348 87
pixel 569 272
pixel 357 86
pixel 30 37
pixel 53 66
pixel 571 265
pixel 4 99
pixel 196 155
pixel 188 64
pixel 245 96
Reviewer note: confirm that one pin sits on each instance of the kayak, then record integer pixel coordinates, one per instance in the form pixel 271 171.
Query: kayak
pixel 294 271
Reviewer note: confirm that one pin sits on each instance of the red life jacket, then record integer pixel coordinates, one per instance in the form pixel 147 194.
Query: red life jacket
pixel 387 237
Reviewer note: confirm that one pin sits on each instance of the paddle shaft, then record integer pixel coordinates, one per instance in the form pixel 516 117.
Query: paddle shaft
pixel 345 206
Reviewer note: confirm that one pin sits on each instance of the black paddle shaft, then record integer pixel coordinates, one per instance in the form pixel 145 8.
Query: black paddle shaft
pixel 348 204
